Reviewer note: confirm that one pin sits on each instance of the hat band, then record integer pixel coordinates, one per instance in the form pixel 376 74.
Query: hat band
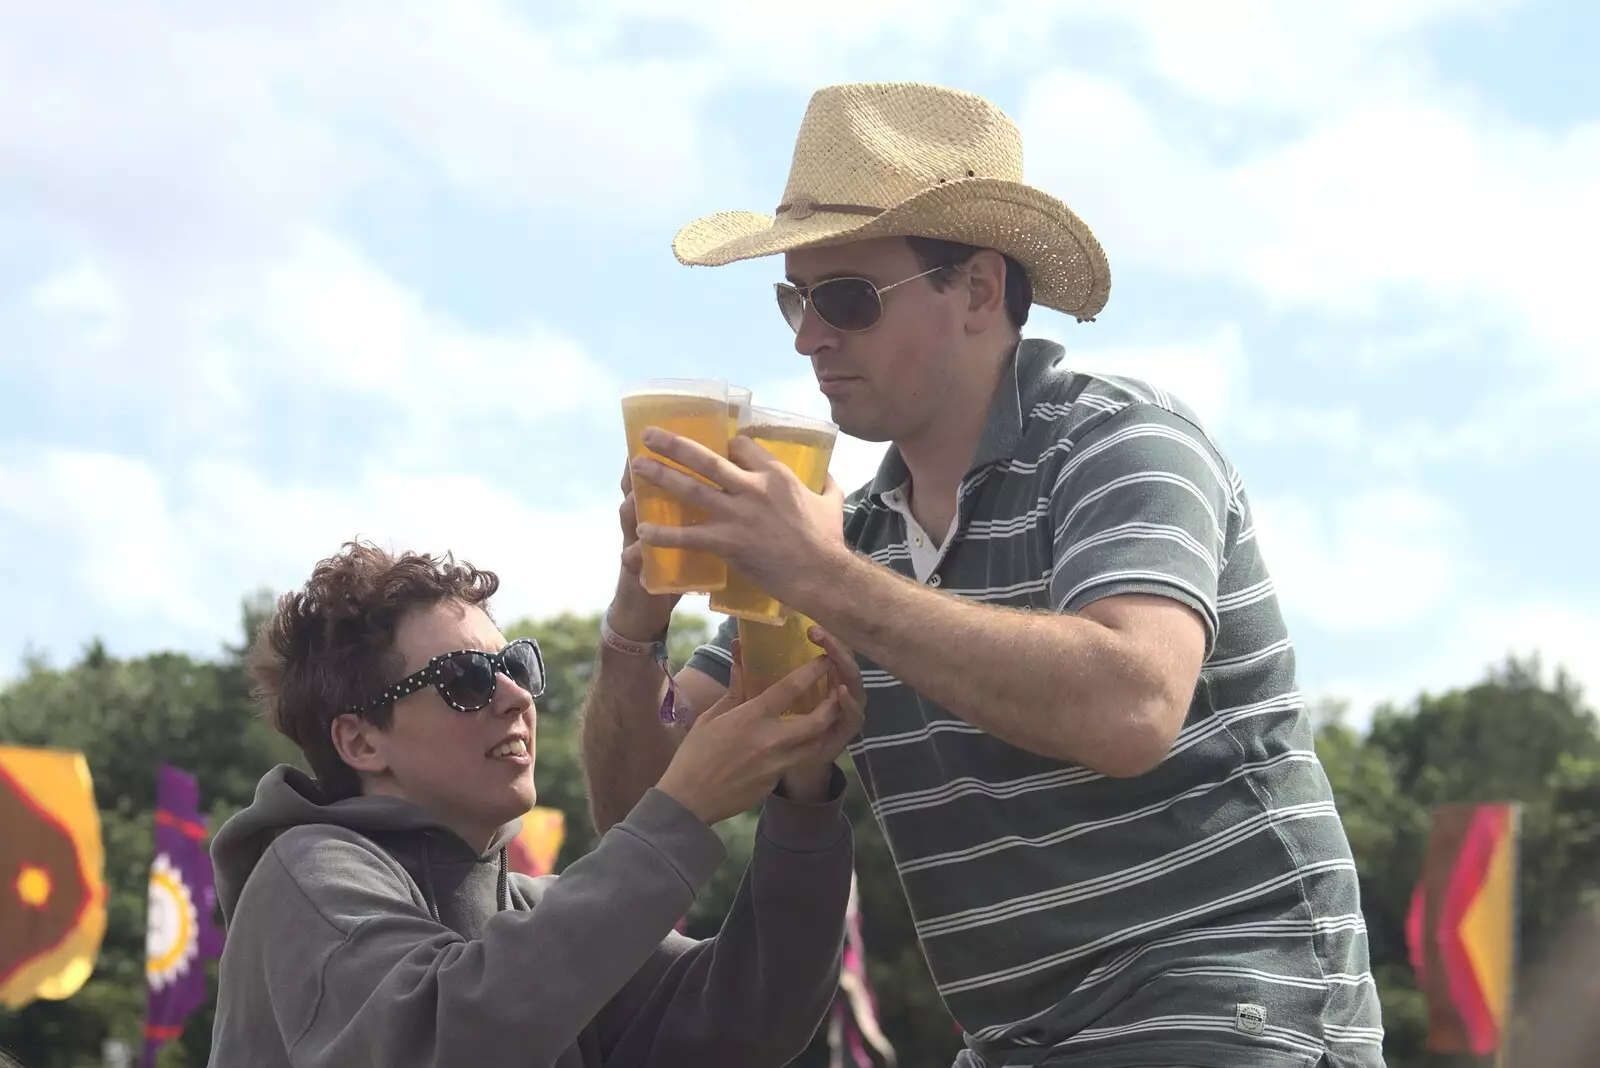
pixel 805 207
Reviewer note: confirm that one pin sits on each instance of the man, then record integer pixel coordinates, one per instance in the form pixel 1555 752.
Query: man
pixel 1083 740
pixel 372 916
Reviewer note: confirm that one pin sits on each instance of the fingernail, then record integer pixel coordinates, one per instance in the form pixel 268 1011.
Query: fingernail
pixel 652 436
pixel 815 634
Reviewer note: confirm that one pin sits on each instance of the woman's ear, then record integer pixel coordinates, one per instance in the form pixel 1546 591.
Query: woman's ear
pixel 359 744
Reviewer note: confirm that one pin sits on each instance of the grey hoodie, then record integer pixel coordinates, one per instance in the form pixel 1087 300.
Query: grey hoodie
pixel 363 933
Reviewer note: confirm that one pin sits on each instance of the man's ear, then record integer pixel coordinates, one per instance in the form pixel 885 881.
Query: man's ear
pixel 359 744
pixel 986 284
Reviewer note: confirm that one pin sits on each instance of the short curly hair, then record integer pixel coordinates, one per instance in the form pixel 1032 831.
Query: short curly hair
pixel 329 646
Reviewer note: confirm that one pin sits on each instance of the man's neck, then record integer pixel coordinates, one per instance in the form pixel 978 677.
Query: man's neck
pixel 938 463
pixel 939 458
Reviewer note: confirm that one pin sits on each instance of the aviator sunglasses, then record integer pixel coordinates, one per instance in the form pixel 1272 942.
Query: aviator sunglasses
pixel 848 304
pixel 467 678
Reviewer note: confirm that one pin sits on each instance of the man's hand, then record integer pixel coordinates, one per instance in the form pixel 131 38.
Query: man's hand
pixel 808 782
pixel 636 613
pixel 762 520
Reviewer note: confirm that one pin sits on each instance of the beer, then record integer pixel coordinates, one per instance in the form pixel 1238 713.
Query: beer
pixel 804 446
pixel 695 410
pixel 770 651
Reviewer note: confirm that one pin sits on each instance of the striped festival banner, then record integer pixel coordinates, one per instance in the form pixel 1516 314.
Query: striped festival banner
pixel 853 1021
pixel 1461 929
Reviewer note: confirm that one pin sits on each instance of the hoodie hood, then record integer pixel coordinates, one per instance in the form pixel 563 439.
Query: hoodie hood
pixel 461 886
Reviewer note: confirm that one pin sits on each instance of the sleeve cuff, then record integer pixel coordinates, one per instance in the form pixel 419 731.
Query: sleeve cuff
pixel 712 661
pixel 1172 590
pixel 806 828
pixel 690 846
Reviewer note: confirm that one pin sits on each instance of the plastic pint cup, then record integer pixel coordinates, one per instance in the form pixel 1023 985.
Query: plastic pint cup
pixel 738 408
pixel 771 651
pixel 803 445
pixel 693 409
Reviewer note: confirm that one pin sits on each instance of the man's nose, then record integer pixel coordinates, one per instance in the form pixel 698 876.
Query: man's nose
pixel 814 335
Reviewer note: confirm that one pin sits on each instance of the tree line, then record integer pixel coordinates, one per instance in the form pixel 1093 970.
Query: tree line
pixel 1519 733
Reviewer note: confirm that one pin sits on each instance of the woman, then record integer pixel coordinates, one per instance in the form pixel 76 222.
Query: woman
pixel 372 919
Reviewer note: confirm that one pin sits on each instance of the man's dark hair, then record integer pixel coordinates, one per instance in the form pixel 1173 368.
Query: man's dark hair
pixel 934 252
pixel 330 645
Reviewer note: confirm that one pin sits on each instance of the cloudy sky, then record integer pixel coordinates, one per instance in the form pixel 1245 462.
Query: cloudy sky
pixel 273 275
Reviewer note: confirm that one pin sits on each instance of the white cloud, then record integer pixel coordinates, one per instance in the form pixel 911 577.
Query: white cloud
pixel 301 110
pixel 1422 200
pixel 102 523
pixel 303 339
pixel 511 110
pixel 1471 639
pixel 153 137
pixel 1209 373
pixel 87 302
pixel 331 320
pixel 1379 560
pixel 1251 54
pixel 170 556
pixel 1293 59
pixel 1561 633
pixel 185 125
pixel 174 174
pixel 551 559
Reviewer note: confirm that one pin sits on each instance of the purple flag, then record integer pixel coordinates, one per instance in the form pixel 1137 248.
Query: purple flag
pixel 180 935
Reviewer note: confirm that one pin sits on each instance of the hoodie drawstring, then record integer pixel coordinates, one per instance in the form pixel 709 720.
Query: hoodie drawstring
pixel 503 888
pixel 505 880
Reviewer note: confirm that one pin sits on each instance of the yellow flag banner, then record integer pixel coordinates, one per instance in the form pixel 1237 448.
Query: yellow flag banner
pixel 52 875
pixel 535 848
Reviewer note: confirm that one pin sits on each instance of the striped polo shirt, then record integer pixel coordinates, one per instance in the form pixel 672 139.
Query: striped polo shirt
pixel 1205 913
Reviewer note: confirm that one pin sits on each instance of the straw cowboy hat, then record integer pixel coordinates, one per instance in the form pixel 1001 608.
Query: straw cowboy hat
pixel 902 159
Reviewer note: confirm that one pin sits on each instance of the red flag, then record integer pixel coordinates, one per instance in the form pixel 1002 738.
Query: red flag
pixel 1461 927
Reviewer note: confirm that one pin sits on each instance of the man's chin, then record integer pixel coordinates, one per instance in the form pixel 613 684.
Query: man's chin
pixel 841 414
pixel 859 429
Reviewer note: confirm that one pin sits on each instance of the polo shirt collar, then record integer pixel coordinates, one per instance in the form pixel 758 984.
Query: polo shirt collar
pixel 1002 432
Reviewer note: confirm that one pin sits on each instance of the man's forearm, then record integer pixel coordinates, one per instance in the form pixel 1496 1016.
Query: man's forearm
pixel 626 747
pixel 1059 685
